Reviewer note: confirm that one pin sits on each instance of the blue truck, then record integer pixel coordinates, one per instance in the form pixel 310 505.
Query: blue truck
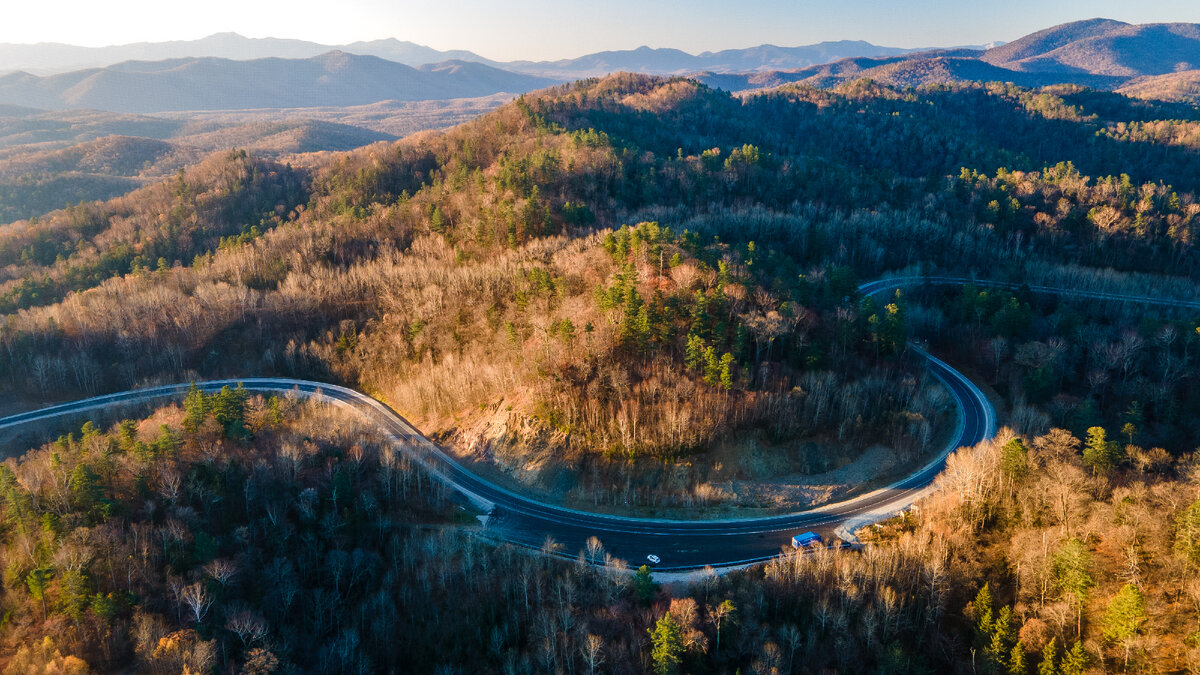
pixel 806 540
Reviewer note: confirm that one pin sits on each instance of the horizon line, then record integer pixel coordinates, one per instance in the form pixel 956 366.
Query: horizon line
pixel 337 46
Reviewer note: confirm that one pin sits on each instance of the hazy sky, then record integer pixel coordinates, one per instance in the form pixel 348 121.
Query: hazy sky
pixel 547 29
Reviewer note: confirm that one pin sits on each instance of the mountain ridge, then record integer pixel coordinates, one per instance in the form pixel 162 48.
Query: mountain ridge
pixel 1098 53
pixel 1104 47
pixel 55 58
pixel 1049 38
pixel 208 83
pixel 48 58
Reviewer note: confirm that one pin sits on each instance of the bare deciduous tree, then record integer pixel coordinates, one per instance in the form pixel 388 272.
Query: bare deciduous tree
pixel 592 651
pixel 249 626
pixel 196 599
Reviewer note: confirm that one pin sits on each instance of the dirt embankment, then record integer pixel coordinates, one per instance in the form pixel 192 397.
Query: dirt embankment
pixel 740 476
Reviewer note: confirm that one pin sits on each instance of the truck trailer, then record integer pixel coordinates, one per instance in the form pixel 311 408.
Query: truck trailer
pixel 806 540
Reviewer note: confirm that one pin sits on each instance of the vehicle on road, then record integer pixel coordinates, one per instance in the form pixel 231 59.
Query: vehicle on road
pixel 807 540
pixel 653 559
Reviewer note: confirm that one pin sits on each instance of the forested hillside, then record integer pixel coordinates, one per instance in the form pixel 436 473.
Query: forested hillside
pixel 732 307
pixel 241 534
pixel 78 248
pixel 639 294
pixel 52 159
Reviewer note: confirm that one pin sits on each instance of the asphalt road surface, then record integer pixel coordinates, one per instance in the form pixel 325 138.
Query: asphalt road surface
pixel 680 544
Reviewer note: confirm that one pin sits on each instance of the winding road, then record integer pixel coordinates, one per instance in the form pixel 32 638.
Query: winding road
pixel 681 545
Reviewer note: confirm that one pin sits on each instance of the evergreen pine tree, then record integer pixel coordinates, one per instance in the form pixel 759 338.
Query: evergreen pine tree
pixel 1099 453
pixel 1125 617
pixel 38 581
pixel 1004 635
pixel 195 409
pixel 1014 460
pixel 1049 662
pixel 667 645
pixel 1017 663
pixel 229 410
pixel 643 584
pixel 726 372
pixel 712 367
pixel 984 608
pixel 694 354
pixel 1075 661
pixel 1071 569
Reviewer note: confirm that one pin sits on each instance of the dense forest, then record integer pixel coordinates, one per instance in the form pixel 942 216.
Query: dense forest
pixel 632 294
pixel 760 213
pixel 232 533
pixel 1076 365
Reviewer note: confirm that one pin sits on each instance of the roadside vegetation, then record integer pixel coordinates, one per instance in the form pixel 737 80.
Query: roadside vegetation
pixel 236 533
pixel 637 293
pixel 1076 364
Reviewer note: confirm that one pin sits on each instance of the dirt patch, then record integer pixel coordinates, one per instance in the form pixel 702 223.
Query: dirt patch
pixel 743 475
pixel 806 491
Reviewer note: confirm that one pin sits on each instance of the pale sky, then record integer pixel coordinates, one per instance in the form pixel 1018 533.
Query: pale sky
pixel 552 29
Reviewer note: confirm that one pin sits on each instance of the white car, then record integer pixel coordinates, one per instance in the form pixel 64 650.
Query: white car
pixel 653 558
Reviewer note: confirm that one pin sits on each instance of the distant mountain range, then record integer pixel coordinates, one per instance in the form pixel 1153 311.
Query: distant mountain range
pixel 676 62
pixel 219 73
pixel 51 58
pixel 1142 60
pixel 332 79
pixel 910 70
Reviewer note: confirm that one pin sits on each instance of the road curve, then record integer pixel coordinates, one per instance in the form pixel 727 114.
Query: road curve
pixel 680 544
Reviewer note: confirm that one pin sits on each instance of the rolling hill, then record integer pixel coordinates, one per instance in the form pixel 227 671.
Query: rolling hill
pixel 1183 86
pixel 51 158
pixel 115 155
pixel 1049 39
pixel 1103 47
pixel 1098 53
pixel 926 68
pixel 822 75
pixel 59 128
pixel 332 79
